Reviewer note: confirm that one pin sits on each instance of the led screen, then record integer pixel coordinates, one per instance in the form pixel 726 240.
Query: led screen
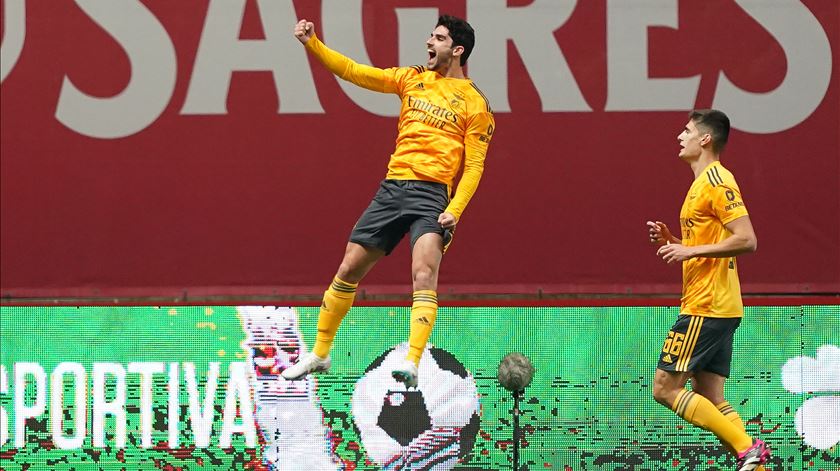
pixel 197 387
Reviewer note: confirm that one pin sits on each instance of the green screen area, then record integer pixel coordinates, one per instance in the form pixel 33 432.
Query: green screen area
pixel 589 405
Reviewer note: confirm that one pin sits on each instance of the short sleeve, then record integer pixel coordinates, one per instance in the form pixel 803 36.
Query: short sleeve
pixel 727 203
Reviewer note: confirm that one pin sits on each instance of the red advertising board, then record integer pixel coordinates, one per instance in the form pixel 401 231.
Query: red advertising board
pixel 193 149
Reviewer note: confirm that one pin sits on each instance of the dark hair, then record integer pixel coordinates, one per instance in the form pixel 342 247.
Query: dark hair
pixel 461 32
pixel 715 123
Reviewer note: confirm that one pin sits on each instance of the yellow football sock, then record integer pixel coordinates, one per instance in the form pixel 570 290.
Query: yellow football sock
pixel 423 315
pixel 726 409
pixel 699 411
pixel 337 301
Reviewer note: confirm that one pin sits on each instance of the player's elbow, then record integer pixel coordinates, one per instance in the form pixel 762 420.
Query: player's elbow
pixel 751 244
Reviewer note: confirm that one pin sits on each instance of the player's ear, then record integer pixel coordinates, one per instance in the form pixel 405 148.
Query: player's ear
pixel 457 51
pixel 705 139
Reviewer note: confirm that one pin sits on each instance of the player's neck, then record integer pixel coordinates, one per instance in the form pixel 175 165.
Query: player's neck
pixel 700 163
pixel 453 71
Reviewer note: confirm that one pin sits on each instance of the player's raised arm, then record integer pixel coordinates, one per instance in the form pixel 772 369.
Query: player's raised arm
pixel 372 78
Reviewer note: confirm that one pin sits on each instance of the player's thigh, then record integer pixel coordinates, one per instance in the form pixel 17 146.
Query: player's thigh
pixel 382 225
pixel 427 251
pixel 720 363
pixel 425 202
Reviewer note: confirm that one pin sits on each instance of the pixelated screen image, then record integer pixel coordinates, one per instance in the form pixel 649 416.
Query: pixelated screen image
pixel 198 387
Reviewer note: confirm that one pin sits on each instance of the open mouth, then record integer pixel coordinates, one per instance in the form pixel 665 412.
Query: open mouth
pixel 432 54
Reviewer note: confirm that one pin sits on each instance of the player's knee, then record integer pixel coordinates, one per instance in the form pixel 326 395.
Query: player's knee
pixel 662 394
pixel 424 277
pixel 343 271
pixel 348 273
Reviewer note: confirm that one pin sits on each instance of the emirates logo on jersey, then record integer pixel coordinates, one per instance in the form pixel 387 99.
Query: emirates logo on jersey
pixel 428 113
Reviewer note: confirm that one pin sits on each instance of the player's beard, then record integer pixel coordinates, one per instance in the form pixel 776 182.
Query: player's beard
pixel 440 63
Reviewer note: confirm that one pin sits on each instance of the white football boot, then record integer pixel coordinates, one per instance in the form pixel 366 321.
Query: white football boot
pixel 406 372
pixel 308 363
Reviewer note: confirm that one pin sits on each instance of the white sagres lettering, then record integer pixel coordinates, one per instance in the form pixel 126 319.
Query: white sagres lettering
pixel 808 55
pixel 789 22
pixel 342 25
pixel 14 32
pixel 529 28
pixel 153 72
pixel 628 85
pixel 221 52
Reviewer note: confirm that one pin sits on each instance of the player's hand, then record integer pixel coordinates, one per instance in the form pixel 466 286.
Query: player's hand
pixel 447 220
pixel 304 30
pixel 659 233
pixel 671 253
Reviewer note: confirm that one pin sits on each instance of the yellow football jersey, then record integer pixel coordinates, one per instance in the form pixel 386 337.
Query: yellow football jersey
pixel 710 285
pixel 445 123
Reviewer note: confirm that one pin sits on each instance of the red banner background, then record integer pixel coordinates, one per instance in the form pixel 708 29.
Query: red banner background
pixel 256 201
